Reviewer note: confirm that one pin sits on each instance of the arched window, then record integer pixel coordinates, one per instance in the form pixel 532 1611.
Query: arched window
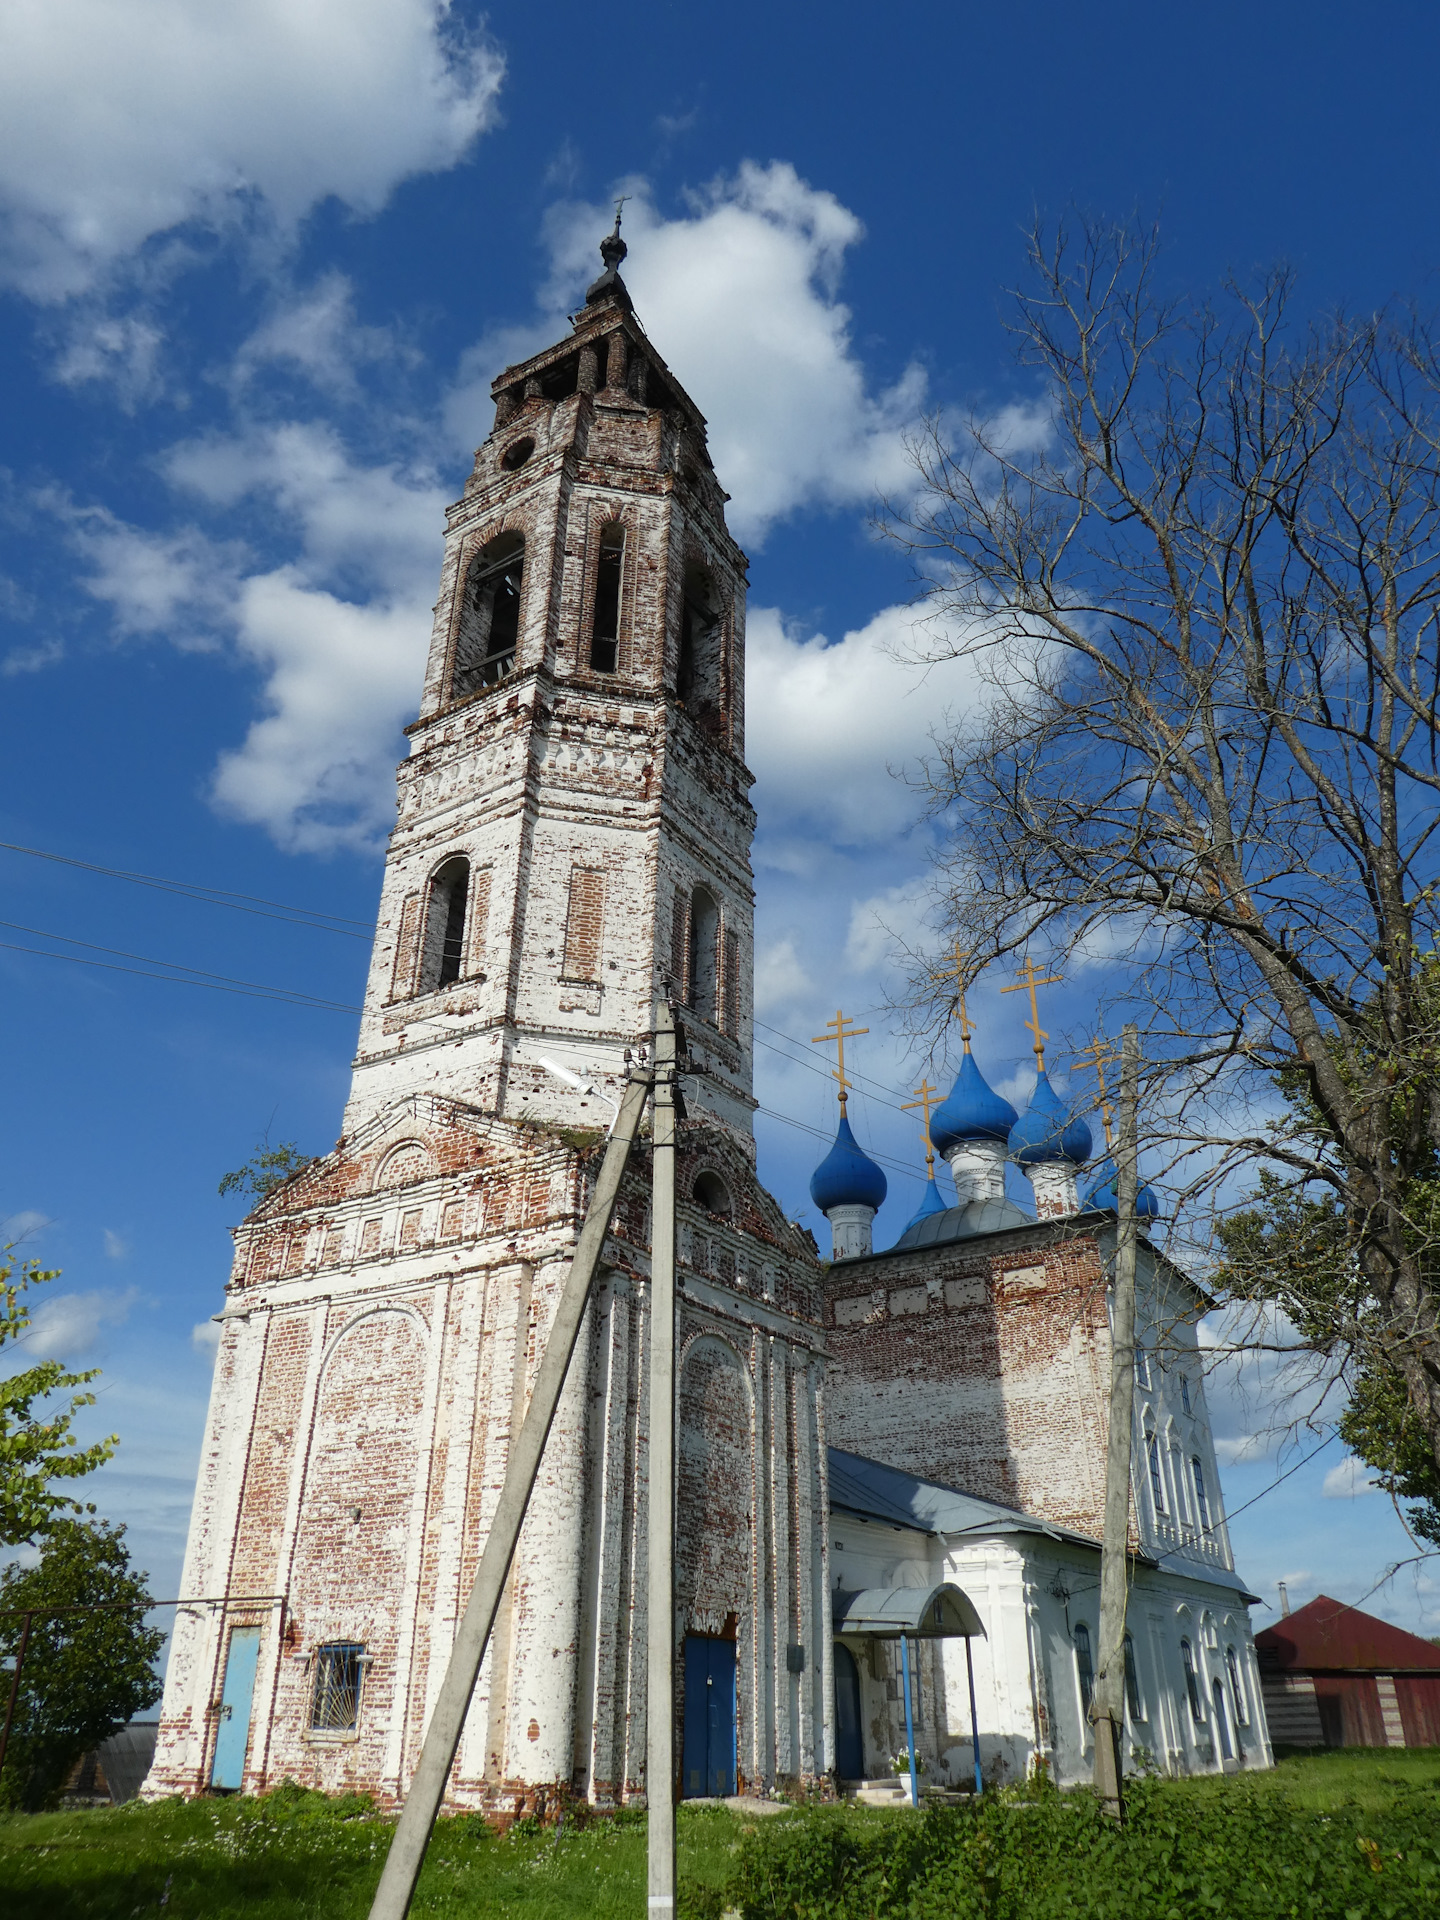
pixel 489 617
pixel 1192 1684
pixel 1222 1719
pixel 704 945
pixel 1185 1392
pixel 609 572
pixel 1142 1366
pixel 1084 1666
pixel 711 1192
pixel 1202 1501
pixel 1237 1688
pixel 442 957
pixel 698 674
pixel 1177 1480
pixel 1132 1682
pixel 1157 1479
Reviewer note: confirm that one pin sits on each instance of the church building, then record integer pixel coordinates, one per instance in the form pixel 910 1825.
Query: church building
pixel 889 1466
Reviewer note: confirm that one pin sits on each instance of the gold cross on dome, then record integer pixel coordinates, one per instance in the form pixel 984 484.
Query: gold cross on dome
pixel 1030 980
pixel 957 973
pixel 1102 1053
pixel 841 1031
pixel 926 1098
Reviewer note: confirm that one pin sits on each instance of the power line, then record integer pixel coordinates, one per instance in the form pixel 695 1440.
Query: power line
pixel 250 989
pixel 210 896
pixel 789 1120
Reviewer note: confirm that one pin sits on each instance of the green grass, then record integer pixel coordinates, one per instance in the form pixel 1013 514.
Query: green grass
pixel 291 1855
pixel 287 1855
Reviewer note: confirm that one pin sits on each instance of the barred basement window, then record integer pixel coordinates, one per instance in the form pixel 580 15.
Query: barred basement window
pixel 1084 1666
pixel 605 632
pixel 339 1669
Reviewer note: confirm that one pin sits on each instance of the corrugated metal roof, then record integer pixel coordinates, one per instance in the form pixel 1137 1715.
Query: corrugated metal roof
pixel 1326 1633
pixel 938 1612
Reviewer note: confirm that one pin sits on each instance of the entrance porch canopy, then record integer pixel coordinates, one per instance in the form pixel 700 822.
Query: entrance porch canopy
pixel 924 1613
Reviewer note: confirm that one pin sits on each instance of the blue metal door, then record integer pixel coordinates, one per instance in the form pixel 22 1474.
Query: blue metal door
pixel 232 1736
pixel 709 1744
pixel 849 1744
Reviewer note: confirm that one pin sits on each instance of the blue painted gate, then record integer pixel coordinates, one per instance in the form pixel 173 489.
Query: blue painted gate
pixel 232 1736
pixel 709 1755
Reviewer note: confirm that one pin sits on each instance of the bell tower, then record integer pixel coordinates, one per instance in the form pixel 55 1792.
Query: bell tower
pixel 574 824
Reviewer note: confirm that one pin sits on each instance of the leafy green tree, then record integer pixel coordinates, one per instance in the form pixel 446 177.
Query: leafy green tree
pixel 88 1669
pixel 267 1168
pixel 37 1443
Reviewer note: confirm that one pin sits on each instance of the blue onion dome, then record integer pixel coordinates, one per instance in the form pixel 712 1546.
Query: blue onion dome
pixel 1104 1189
pixel 933 1202
pixel 846 1177
pixel 1045 1130
pixel 972 1111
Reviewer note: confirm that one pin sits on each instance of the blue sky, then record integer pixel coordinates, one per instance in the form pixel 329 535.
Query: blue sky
pixel 257 266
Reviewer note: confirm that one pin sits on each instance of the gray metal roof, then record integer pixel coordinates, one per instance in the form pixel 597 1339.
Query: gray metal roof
pixel 962 1223
pixel 862 1486
pixel 929 1613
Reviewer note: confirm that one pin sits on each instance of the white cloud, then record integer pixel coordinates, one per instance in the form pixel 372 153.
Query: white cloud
pixel 317 335
pixel 316 770
pixel 830 727
pixel 885 925
pixel 116 1247
pixel 66 1326
pixel 45 653
pixel 16 1228
pixel 123 349
pixel 339 635
pixel 781 977
pixel 1348 1480
pixel 740 296
pixel 205 1338
pixel 119 122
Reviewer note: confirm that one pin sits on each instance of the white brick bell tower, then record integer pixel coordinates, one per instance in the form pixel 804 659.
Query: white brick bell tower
pixel 574 828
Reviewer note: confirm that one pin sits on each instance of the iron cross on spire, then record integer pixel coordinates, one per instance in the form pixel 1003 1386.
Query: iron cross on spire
pixel 926 1098
pixel 1102 1053
pixel 956 973
pixel 1031 980
pixel 841 1032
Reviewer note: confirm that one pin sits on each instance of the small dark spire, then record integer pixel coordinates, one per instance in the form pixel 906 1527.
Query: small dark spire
pixel 612 251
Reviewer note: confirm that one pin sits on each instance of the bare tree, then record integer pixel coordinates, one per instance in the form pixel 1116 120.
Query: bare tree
pixel 1204 582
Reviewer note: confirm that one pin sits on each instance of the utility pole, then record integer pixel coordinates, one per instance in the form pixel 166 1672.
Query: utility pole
pixel 1107 1706
pixel 447 1722
pixel 660 1538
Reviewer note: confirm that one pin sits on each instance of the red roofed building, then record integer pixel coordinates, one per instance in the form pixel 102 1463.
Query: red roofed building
pixel 1335 1677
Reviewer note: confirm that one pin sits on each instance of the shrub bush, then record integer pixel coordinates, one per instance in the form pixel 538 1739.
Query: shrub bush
pixel 1036 1854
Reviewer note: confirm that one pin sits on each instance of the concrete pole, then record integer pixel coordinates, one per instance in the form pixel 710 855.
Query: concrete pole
pixel 442 1737
pixel 660 1536
pixel 1107 1705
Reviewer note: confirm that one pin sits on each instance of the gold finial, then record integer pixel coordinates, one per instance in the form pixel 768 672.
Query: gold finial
pixel 957 974
pixel 926 1098
pixel 841 1032
pixel 1102 1053
pixel 1031 980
